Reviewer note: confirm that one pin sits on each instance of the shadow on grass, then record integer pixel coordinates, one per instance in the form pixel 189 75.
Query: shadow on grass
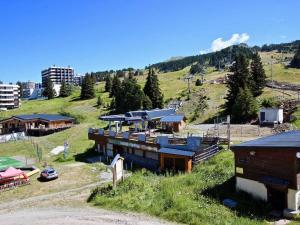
pixel 246 205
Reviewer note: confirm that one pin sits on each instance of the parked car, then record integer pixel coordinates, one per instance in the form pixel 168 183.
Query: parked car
pixel 49 174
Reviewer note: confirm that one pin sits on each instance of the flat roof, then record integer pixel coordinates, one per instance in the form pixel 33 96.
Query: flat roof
pixel 289 139
pixel 174 151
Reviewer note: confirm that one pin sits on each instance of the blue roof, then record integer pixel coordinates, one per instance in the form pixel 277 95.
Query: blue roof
pixel 289 139
pixel 172 118
pixel 174 151
pixel 48 117
pixel 159 113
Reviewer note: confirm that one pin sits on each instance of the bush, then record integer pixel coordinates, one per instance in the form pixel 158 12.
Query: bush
pixel 198 82
pixel 269 103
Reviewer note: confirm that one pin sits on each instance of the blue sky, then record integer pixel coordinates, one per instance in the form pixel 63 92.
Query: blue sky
pixel 96 35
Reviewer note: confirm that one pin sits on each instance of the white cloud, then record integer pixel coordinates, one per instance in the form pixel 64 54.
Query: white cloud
pixel 219 43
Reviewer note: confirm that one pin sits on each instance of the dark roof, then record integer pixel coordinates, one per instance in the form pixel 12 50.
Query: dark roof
pixel 113 118
pixel 172 118
pixel 159 113
pixel 48 117
pixel 290 139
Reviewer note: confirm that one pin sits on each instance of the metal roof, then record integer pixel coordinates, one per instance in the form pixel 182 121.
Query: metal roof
pixel 113 118
pixel 48 117
pixel 173 151
pixel 172 118
pixel 159 113
pixel 290 139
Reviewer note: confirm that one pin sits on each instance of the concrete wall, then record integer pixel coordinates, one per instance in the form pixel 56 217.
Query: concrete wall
pixel 256 189
pixel 293 200
pixel 272 115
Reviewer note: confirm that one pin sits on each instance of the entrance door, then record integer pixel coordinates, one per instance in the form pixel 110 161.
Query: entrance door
pixel 262 116
pixel 168 162
pixel 277 198
pixel 180 164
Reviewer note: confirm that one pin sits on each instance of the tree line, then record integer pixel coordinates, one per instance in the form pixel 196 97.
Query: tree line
pixel 244 85
pixel 128 95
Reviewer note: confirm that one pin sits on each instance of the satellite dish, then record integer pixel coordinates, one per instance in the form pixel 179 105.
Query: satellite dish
pixel 298 155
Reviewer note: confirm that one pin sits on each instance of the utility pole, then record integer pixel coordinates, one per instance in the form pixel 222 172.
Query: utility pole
pixel 188 78
pixel 272 82
pixel 228 131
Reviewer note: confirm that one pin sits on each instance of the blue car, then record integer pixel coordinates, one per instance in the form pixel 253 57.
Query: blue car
pixel 49 174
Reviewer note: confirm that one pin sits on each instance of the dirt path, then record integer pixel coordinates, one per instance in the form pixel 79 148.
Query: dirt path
pixel 71 216
pixel 67 207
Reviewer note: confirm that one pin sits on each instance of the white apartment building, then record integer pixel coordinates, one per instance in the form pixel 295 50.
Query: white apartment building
pixel 57 75
pixel 9 96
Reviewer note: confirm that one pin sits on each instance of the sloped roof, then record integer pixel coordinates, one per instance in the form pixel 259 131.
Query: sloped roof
pixel 290 139
pixel 159 113
pixel 172 118
pixel 48 117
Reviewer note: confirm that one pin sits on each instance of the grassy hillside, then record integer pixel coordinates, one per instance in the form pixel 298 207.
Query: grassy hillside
pixel 193 198
pixel 85 111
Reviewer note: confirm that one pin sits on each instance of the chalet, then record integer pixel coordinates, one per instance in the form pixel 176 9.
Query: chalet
pixel 173 123
pixel 36 124
pixel 268 168
pixel 155 153
pixel 270 115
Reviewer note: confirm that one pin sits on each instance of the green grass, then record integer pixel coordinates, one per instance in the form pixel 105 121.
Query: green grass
pixel 193 198
pixel 84 110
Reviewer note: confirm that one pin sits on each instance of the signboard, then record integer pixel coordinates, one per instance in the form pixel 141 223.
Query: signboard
pixel 116 167
pixel 131 145
pixel 239 170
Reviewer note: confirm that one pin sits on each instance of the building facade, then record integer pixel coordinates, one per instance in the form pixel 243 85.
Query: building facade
pixel 9 96
pixel 269 169
pixel 57 75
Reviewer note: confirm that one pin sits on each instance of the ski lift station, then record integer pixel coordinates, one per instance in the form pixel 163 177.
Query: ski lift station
pixel 270 115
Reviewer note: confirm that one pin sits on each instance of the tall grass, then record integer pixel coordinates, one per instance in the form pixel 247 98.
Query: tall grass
pixel 192 198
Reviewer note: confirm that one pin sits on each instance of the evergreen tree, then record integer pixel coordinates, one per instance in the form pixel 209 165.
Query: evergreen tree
pixel 245 107
pixel 129 97
pixel 258 75
pixel 295 63
pixel 87 88
pixel 108 83
pixel 116 85
pixel 240 78
pixel 198 82
pixel 147 104
pixel 64 90
pixel 152 90
pixel 49 91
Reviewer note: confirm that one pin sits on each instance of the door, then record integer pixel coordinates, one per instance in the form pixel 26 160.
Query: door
pixel 277 198
pixel 262 116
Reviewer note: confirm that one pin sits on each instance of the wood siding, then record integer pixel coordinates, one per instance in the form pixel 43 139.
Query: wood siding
pixel 278 163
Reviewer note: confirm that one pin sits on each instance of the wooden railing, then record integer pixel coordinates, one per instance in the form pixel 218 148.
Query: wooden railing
pixel 206 153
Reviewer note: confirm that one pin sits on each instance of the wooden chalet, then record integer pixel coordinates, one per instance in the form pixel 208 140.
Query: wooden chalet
pixel 36 124
pixel 154 153
pixel 269 169
pixel 173 123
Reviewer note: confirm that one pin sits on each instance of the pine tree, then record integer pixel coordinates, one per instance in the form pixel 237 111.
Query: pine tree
pixel 258 75
pixel 49 91
pixel 245 107
pixel 87 88
pixel 116 85
pixel 63 90
pixel 240 78
pixel 152 90
pixel 129 96
pixel 108 83
pixel 295 63
pixel 147 104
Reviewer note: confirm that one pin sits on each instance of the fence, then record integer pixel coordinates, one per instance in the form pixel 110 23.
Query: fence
pixel 206 153
pixel 13 137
